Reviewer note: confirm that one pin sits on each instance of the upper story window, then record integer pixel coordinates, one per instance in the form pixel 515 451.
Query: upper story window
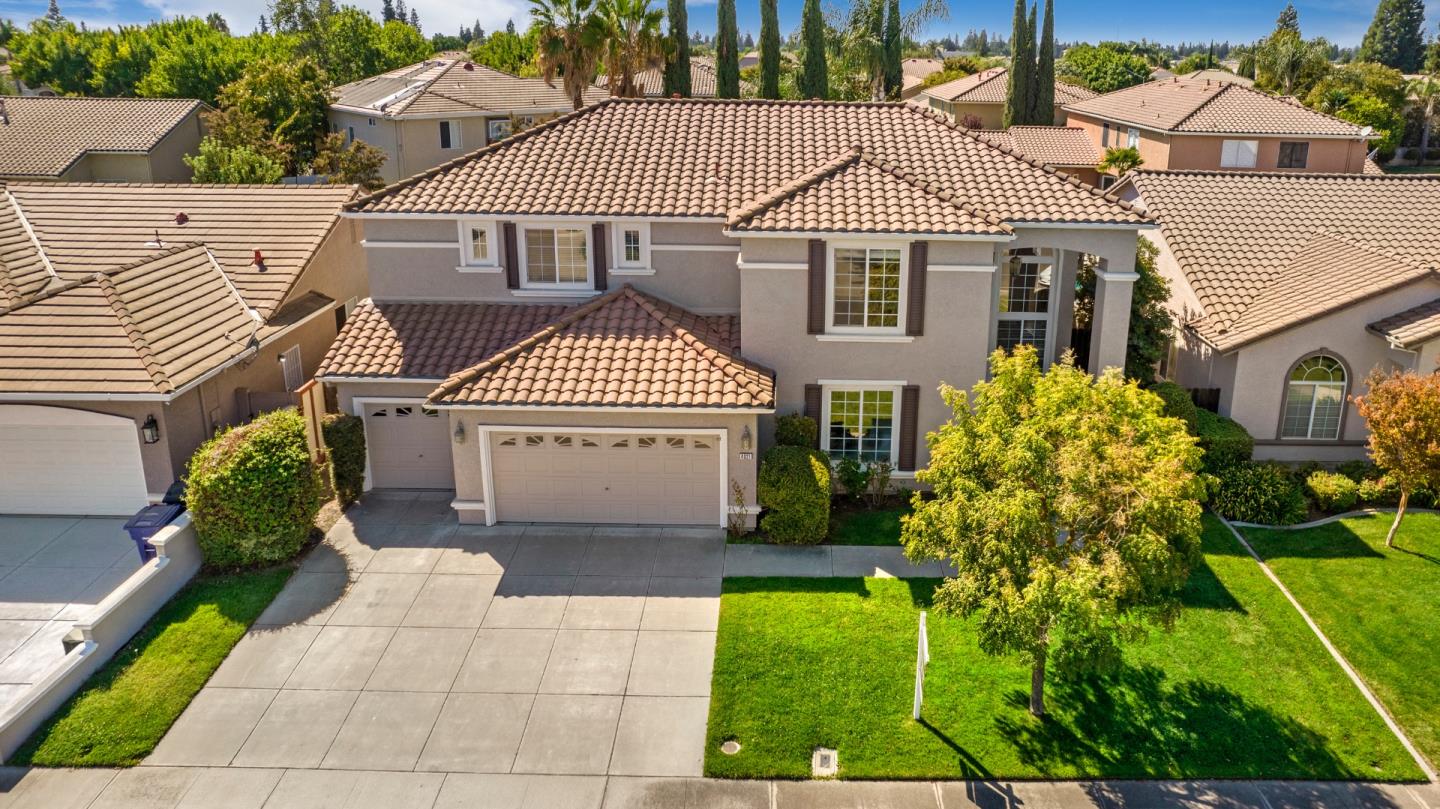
pixel 1239 154
pixel 1293 154
pixel 1026 277
pixel 480 242
pixel 291 369
pixel 370 121
pixel 1105 135
pixel 632 245
pixel 1132 138
pixel 557 256
pixel 861 423
pixel 1314 399
pixel 498 129
pixel 865 288
pixel 449 134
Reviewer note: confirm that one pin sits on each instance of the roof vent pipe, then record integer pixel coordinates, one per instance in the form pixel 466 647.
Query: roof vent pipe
pixel 470 66
pixel 258 260
pixel 181 218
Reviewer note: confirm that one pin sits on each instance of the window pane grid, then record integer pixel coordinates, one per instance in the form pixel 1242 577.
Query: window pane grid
pixel 555 256
pixel 866 288
pixel 861 424
pixel 1314 399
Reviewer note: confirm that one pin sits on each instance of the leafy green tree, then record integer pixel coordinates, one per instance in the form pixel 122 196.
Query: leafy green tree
pixel 769 49
pixel 356 163
pixel 814 78
pixel 568 44
pixel 508 52
pixel 1402 411
pixel 633 43
pixel 1102 69
pixel 865 43
pixel 55 54
pixel 1019 99
pixel 214 20
pixel 1045 69
pixel 1287 63
pixel 1340 84
pixel 1396 37
pixel 1388 122
pixel 307 20
pixel 1151 325
pixel 727 51
pixel 217 163
pixel 352 46
pixel 894 51
pixel 1120 160
pixel 239 126
pixel 1068 507
pixel 120 59
pixel 1426 91
pixel 677 67
pixel 401 44
pixel 290 95
pixel 1289 19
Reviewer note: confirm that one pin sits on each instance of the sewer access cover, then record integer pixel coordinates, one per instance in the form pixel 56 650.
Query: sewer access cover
pixel 730 748
pixel 824 762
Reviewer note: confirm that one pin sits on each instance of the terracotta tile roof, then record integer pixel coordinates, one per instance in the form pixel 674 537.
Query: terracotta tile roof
pixel 1051 145
pixel 1412 327
pixel 705 158
pixel 1215 74
pixel 1371 167
pixel 1220 108
pixel 459 86
pixel 702 80
pixel 149 327
pixel 992 85
pixel 915 71
pixel 1265 251
pixel 858 193
pixel 44 136
pixel 85 227
pixel 624 349
pixel 23 268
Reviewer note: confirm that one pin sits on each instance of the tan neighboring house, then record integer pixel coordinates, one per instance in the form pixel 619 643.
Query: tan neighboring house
pixel 432 112
pixel 136 319
pixel 981 97
pixel 1290 288
pixel 133 140
pixel 1186 124
pixel 702 80
pixel 915 71
pixel 1217 75
pixel 1066 149
pixel 560 330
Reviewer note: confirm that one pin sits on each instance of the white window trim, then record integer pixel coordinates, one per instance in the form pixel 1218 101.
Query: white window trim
pixel 1230 162
pixel 468 260
pixel 456 143
pixel 580 225
pixel 899 328
pixel 1048 315
pixel 895 389
pixel 489 138
pixel 617 239
pixel 1132 138
pixel 290 360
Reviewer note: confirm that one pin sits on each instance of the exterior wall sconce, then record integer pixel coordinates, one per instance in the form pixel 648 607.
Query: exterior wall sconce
pixel 459 432
pixel 150 430
pixel 746 440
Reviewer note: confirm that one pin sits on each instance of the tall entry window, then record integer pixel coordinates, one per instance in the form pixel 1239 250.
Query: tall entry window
pixel 1314 399
pixel 1026 277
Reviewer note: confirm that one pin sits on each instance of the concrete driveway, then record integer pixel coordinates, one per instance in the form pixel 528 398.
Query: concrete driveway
pixel 410 643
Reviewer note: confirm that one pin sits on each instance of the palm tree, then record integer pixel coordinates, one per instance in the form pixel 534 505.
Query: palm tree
pixel 1120 161
pixel 633 43
pixel 571 38
pixel 1285 60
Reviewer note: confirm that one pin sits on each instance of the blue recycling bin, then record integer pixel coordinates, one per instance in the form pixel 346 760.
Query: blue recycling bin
pixel 146 522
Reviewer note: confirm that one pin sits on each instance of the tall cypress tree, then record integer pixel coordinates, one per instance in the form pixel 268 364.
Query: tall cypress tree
pixel 814 78
pixel 1289 19
pixel 894 49
pixel 1045 70
pixel 727 51
pixel 1396 37
pixel 1018 100
pixel 677 67
pixel 769 49
pixel 1032 115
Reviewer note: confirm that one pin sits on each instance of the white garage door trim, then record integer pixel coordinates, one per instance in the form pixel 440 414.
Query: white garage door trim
pixel 357 408
pixel 61 460
pixel 721 435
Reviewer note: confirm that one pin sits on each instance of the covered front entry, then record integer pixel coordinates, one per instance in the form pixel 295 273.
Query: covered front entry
pixel 627 477
pixel 409 447
pixel 59 460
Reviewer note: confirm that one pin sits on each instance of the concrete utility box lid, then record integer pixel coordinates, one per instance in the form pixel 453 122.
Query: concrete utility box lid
pixel 824 763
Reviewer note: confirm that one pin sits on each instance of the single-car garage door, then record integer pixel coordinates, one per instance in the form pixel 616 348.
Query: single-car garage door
pixel 409 447
pixel 607 478
pixel 58 460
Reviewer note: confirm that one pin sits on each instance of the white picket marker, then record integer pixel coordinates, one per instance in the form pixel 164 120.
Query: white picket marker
pixel 922 656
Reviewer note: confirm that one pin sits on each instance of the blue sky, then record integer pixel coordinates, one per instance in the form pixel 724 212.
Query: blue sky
pixel 1342 21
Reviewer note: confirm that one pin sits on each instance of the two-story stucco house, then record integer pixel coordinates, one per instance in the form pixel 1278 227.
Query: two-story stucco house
pixel 1198 124
pixel 597 319
pixel 1290 288
pixel 978 100
pixel 133 140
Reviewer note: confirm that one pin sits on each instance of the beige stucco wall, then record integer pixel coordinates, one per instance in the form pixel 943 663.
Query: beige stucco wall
pixel 1202 152
pixel 164 163
pixel 412 145
pixel 992 116
pixel 167 159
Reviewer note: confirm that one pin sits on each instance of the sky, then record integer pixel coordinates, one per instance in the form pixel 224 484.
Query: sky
pixel 1341 21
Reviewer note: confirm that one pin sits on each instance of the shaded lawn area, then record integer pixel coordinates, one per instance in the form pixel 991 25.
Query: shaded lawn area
pixel 862 526
pixel 121 713
pixel 1241 689
pixel 1377 605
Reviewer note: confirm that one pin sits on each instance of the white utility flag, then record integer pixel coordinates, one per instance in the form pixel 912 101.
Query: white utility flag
pixel 922 656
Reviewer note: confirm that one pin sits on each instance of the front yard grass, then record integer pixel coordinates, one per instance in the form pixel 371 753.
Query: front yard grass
pixel 1376 604
pixel 1240 689
pixel 119 716
pixel 864 526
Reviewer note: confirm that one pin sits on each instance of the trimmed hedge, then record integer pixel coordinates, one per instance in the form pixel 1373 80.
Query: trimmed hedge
pixel 1332 491
pixel 1178 404
pixel 345 438
pixel 795 430
pixel 1225 442
pixel 794 488
pixel 253 492
pixel 1265 493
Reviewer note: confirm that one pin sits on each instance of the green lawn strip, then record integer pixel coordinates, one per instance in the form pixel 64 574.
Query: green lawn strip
pixel 879 526
pixel 121 713
pixel 1376 604
pixel 1240 689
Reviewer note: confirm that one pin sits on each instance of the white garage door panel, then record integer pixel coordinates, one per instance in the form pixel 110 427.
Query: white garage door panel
pixel 59 460
pixel 606 478
pixel 409 448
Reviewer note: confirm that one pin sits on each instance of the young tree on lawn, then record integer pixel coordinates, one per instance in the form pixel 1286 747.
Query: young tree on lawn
pixel 769 49
pixel 569 44
pixel 1069 507
pixel 814 78
pixel 727 51
pixel 1402 410
pixel 1396 36
pixel 1018 101
pixel 677 67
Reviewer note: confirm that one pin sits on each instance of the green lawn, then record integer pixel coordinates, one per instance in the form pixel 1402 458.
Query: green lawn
pixel 1241 689
pixel 1377 605
pixel 863 526
pixel 118 717
pixel 1412 169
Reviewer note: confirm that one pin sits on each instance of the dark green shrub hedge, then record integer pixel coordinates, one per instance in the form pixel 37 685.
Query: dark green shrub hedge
pixel 1178 404
pixel 1225 442
pixel 794 488
pixel 1264 493
pixel 1331 491
pixel 795 430
pixel 345 438
pixel 253 492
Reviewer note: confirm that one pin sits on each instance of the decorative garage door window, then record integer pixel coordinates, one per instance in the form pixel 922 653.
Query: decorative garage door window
pixel 569 441
pixel 404 412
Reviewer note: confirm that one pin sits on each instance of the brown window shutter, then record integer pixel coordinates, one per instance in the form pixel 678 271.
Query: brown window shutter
pixel 512 256
pixel 812 409
pixel 909 414
pixel 915 305
pixel 815 324
pixel 602 281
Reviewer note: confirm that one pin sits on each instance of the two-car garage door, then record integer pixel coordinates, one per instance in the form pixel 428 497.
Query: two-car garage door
pixel 59 460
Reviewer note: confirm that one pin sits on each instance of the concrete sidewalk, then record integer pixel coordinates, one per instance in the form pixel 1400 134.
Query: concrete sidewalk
pixel 240 788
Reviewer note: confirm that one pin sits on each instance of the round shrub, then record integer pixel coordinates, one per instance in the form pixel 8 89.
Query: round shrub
pixel 1331 491
pixel 1264 493
pixel 1178 404
pixel 345 438
pixel 795 430
pixel 1225 442
pixel 1380 491
pixel 253 492
pixel 794 489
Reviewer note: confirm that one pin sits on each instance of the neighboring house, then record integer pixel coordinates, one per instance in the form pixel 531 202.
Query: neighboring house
pixel 750 58
pixel 915 72
pixel 432 112
pixel 1290 288
pixel 981 97
pixel 702 80
pixel 1066 149
pixel 1216 125
pixel 1215 74
pixel 137 319
pixel 133 140
pixel 596 320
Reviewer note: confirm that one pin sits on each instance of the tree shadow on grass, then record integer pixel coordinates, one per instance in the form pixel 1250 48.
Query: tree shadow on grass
pixel 1333 541
pixel 1205 591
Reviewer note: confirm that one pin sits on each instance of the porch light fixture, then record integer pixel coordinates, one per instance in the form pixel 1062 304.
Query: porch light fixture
pixel 459 432
pixel 745 439
pixel 150 430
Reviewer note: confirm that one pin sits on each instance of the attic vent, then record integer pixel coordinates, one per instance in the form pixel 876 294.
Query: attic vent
pixel 181 218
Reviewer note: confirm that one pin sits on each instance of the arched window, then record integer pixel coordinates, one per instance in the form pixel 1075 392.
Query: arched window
pixel 1314 399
